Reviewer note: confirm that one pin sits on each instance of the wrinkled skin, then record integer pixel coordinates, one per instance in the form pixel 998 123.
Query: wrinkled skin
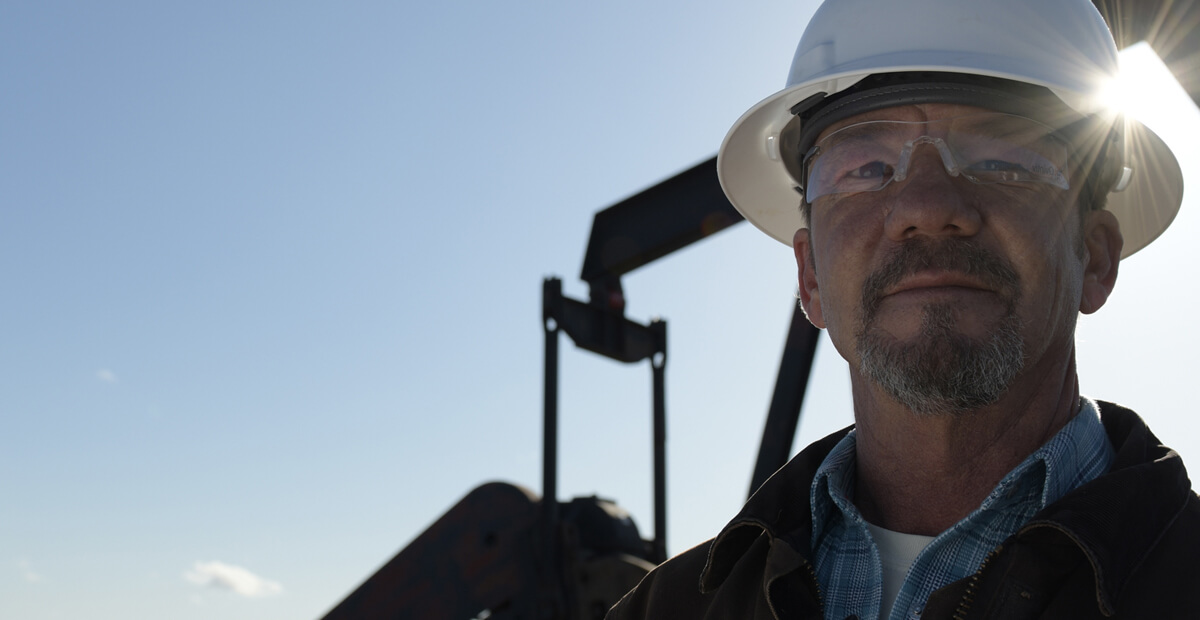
pixel 1058 265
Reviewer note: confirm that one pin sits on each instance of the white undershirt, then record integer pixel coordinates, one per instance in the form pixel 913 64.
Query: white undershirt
pixel 896 552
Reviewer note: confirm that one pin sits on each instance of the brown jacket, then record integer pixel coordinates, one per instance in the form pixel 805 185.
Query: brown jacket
pixel 1125 545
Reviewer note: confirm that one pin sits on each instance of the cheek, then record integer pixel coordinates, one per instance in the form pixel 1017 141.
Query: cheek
pixel 838 310
pixel 1053 280
pixel 843 254
pixel 1042 230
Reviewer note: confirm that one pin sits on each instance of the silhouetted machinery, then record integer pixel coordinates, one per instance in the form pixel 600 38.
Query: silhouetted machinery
pixel 502 552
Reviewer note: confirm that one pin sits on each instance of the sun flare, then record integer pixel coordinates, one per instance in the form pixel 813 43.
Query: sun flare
pixel 1146 90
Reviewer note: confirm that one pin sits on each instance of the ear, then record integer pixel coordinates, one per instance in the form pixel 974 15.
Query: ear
pixel 1103 241
pixel 810 296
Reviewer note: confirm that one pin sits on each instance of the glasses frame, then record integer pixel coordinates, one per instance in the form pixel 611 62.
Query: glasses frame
pixel 1063 136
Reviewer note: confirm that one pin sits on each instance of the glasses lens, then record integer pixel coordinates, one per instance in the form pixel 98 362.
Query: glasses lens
pixel 857 158
pixel 1001 148
pixel 984 148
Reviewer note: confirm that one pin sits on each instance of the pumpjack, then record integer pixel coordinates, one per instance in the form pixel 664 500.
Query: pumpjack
pixel 503 552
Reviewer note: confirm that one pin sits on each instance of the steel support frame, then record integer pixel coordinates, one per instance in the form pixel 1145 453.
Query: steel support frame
pixel 606 332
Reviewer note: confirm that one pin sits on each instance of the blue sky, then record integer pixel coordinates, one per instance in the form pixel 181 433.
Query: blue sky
pixel 273 270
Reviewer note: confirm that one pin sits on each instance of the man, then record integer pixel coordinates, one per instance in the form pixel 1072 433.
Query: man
pixel 955 193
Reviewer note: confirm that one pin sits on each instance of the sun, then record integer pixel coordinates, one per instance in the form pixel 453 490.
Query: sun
pixel 1146 90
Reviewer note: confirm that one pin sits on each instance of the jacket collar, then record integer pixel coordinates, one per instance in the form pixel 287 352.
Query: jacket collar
pixel 780 509
pixel 1097 515
pixel 1145 473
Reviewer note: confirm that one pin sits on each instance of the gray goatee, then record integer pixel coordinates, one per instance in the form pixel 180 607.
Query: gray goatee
pixel 942 371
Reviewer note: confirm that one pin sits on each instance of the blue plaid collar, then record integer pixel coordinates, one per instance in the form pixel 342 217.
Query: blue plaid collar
pixel 847 561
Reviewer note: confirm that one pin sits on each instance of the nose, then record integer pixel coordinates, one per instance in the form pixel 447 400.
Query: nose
pixel 929 201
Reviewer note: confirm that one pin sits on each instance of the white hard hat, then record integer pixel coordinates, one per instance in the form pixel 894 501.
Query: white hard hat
pixel 1063 46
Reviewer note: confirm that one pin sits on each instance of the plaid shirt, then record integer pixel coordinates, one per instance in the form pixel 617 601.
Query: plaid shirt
pixel 847 560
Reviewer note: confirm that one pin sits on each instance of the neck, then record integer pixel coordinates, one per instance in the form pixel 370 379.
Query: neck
pixel 920 474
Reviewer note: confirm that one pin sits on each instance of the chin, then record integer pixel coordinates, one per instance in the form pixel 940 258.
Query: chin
pixel 941 370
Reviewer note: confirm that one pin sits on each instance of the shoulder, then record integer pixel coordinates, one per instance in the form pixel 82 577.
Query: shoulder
pixel 672 590
pixel 1149 559
pixel 1180 544
pixel 725 577
pixel 681 587
pixel 1165 581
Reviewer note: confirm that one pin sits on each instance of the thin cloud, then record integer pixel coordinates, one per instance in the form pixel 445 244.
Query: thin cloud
pixel 106 375
pixel 233 578
pixel 27 572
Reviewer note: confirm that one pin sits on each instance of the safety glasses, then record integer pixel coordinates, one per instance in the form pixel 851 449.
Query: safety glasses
pixel 984 148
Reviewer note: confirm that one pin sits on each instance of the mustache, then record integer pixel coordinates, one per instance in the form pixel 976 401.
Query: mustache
pixel 957 255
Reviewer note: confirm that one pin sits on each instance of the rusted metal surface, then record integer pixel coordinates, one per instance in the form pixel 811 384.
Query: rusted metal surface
pixel 482 559
pixel 478 556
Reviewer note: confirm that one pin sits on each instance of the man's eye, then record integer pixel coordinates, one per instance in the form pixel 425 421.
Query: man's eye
pixel 873 170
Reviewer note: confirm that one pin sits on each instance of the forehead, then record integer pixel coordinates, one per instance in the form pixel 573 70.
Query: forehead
pixel 918 112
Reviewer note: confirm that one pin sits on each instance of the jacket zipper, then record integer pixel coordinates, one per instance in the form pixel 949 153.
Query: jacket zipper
pixel 969 596
pixel 812 575
pixel 812 579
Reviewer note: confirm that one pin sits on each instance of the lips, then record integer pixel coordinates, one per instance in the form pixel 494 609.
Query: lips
pixel 950 264
pixel 933 280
